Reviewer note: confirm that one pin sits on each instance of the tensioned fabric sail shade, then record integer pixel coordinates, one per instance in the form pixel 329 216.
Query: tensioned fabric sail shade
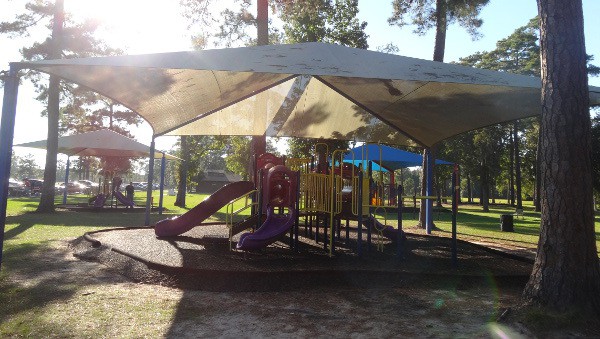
pixel 389 158
pixel 100 143
pixel 311 90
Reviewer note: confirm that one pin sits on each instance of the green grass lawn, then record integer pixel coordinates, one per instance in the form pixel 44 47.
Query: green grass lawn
pixel 23 225
pixel 474 224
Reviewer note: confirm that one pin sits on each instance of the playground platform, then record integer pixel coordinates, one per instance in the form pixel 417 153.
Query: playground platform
pixel 201 259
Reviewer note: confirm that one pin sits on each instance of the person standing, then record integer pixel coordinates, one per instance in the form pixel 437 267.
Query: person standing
pixel 129 193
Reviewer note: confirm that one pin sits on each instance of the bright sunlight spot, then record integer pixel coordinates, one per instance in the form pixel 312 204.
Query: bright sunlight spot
pixel 134 24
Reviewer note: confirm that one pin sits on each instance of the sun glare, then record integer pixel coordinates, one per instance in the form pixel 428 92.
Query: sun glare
pixel 138 26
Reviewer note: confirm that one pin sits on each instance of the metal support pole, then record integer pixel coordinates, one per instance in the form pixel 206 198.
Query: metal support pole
pixel 371 193
pixel 149 188
pixel 429 192
pixel 455 186
pixel 360 212
pixel 260 191
pixel 7 131
pixel 297 207
pixel 331 221
pixel 65 192
pixel 163 164
pixel 400 231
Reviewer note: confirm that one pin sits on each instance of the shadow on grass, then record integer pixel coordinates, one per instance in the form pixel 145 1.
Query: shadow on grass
pixel 40 267
pixel 120 218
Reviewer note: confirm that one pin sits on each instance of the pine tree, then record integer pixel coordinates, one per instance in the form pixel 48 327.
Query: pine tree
pixel 566 274
pixel 67 39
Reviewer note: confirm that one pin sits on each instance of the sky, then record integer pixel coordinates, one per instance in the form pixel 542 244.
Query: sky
pixel 140 26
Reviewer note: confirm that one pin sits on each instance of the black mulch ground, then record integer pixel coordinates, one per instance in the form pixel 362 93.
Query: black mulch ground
pixel 201 259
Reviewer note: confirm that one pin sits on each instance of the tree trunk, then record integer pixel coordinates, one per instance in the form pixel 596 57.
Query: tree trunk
pixel 538 172
pixel 517 166
pixel 439 188
pixel 47 198
pixel 493 190
pixel 262 22
pixel 258 145
pixel 182 186
pixel 469 189
pixel 426 165
pixel 566 275
pixel 438 55
pixel 485 188
pixel 511 163
pixel 441 15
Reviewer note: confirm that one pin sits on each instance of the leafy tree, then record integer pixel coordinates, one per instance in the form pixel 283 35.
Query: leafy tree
pixel 305 148
pixel 24 167
pixel 518 53
pixel 195 150
pixel 323 21
pixel 438 14
pixel 459 149
pixel 487 143
pixel 566 274
pixel 233 26
pixel 238 155
pixel 67 39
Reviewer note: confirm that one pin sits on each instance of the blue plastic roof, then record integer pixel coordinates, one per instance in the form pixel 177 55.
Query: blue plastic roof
pixel 389 158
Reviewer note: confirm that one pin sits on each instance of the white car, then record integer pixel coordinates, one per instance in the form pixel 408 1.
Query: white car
pixel 17 188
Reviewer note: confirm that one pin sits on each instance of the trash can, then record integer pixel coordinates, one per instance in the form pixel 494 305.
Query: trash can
pixel 506 223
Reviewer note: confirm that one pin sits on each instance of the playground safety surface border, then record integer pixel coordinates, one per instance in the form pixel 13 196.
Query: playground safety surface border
pixel 201 259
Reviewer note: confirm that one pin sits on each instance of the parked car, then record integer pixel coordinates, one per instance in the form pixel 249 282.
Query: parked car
pixel 144 186
pixel 138 186
pixel 90 186
pixel 34 185
pixel 87 183
pixel 17 188
pixel 72 187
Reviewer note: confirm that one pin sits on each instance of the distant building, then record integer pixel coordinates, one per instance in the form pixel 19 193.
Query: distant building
pixel 215 179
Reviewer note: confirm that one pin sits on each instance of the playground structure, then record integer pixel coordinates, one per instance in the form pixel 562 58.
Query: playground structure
pixel 279 199
pixel 343 191
pixel 109 189
pixel 116 193
pixel 333 192
pixel 322 194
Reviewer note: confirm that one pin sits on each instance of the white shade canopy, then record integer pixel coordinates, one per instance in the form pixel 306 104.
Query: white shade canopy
pixel 310 90
pixel 100 143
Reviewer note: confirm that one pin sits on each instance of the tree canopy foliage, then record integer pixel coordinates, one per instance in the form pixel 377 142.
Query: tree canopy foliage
pixel 424 14
pixel 323 21
pixel 57 34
